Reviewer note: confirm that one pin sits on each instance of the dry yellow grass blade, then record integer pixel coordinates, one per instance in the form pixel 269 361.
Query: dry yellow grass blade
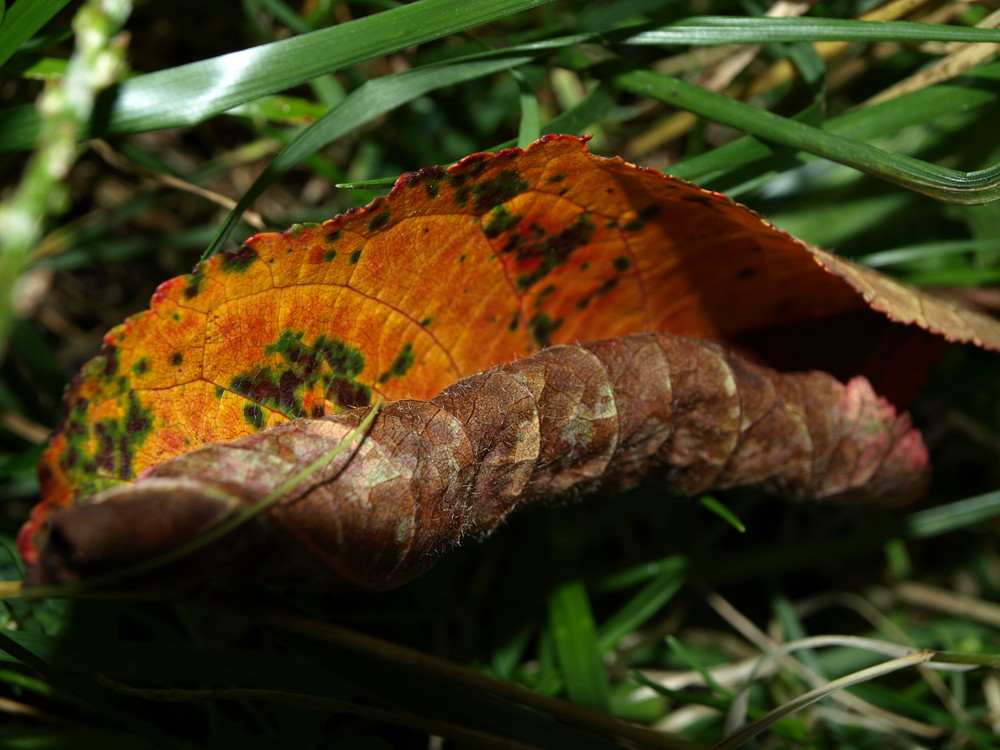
pixel 964 57
pixel 775 651
pixel 10 589
pixel 25 428
pixel 991 689
pixel 831 688
pixel 116 159
pixel 783 71
pixel 950 602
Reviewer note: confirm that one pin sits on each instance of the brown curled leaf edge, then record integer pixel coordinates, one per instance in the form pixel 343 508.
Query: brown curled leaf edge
pixel 428 474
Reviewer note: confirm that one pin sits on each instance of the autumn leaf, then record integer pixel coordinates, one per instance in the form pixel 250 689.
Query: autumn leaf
pixel 458 270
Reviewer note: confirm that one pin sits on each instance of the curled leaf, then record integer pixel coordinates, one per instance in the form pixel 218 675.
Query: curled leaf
pixel 257 360
pixel 566 420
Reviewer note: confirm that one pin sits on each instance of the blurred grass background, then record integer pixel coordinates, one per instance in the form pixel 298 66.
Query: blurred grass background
pixel 622 605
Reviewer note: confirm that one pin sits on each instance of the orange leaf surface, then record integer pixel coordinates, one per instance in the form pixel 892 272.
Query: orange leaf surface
pixel 456 270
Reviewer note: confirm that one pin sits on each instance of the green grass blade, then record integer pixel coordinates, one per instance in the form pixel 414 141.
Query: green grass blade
pixel 39 69
pixel 682 696
pixel 793 629
pixel 711 504
pixel 685 655
pixel 958 515
pixel 574 635
pixel 189 94
pixel 743 164
pixel 981 186
pixel 705 30
pixel 650 599
pixel 369 101
pixel 970 92
pixel 530 126
pixel 924 251
pixel 22 21
pixel 712 30
pixel 991 661
pixel 968 277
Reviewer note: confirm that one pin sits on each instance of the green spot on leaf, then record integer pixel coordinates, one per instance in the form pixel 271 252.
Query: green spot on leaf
pixel 498 189
pixel 328 363
pixel 193 287
pixel 603 289
pixel 401 364
pixel 109 361
pixel 645 215
pixel 254 416
pixel 540 297
pixel 117 441
pixel 551 251
pixel 379 220
pixel 500 221
pixel 541 327
pixel 238 262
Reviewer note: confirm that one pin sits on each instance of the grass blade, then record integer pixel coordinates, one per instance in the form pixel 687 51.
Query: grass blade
pixel 772 717
pixel 736 30
pixel 650 599
pixel 972 91
pixel 981 186
pixel 574 634
pixel 189 94
pixel 22 21
pixel 958 515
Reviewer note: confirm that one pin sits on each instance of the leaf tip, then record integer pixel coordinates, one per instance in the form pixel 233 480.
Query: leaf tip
pixel 126 527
